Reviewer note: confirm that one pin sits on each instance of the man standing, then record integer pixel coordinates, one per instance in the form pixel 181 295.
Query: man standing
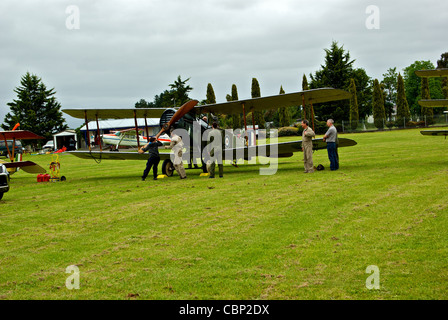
pixel 307 146
pixel 177 146
pixel 331 137
pixel 215 149
pixel 154 158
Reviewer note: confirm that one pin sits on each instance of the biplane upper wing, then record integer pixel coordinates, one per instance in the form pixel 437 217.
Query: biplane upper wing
pixel 434 133
pixel 431 103
pixel 432 73
pixel 19 135
pixel 278 101
pixel 313 96
pixel 104 114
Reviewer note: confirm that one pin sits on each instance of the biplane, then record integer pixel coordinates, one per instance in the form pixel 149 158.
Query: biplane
pixel 188 117
pixel 14 154
pixel 433 103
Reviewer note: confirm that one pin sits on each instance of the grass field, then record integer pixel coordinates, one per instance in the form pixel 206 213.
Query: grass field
pixel 246 236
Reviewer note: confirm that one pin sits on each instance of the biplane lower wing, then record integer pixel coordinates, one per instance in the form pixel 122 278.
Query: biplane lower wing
pixel 278 150
pixel 284 149
pixel 434 133
pixel 443 72
pixel 27 166
pixel 434 103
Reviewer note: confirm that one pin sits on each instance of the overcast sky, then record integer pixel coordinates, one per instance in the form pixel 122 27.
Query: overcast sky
pixel 127 50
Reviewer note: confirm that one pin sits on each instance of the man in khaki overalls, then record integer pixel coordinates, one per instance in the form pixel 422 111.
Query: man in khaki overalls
pixel 307 146
pixel 177 146
pixel 215 142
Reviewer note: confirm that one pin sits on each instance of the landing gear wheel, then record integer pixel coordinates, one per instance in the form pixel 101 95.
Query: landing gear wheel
pixel 1 195
pixel 167 168
pixel 227 142
pixel 63 178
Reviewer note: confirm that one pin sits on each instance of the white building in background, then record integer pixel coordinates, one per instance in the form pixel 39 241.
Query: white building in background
pixel 66 139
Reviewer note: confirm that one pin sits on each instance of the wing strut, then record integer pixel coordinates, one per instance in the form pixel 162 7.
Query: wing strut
pixel 98 133
pixel 87 128
pixel 245 122
pixel 13 148
pixel 253 124
pixel 146 129
pixel 312 115
pixel 303 106
pixel 136 128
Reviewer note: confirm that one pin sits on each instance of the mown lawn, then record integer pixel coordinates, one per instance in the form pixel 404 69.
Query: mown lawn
pixel 246 236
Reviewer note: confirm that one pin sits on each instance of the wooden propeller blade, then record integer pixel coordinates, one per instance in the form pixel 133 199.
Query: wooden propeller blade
pixel 183 110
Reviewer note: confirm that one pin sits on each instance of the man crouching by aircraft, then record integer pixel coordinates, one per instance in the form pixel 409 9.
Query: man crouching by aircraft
pixel 177 146
pixel 154 158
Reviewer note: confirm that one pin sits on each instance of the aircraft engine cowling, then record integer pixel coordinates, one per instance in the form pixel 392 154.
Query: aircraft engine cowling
pixel 166 117
pixel 186 122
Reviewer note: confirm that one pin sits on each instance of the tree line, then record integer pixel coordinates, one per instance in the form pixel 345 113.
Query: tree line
pixel 391 101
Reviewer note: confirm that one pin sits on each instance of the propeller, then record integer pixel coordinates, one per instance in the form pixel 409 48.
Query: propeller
pixel 183 110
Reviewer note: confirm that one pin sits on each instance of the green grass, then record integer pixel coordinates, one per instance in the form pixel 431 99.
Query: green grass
pixel 247 236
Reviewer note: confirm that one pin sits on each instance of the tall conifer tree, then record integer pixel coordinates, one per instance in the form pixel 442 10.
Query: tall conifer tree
pixel 210 98
pixel 36 109
pixel 354 113
pixel 403 113
pixel 258 115
pixel 427 113
pixel 379 115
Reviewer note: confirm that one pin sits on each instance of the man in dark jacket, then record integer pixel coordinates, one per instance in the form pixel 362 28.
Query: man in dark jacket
pixel 154 158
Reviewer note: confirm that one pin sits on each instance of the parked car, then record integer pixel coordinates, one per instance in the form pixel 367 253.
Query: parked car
pixel 49 145
pixel 4 180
